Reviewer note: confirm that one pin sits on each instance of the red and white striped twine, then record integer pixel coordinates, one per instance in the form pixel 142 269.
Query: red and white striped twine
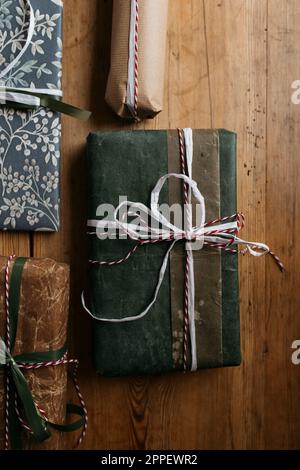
pixel 63 361
pixel 136 60
pixel 8 346
pixel 277 261
pixel 22 420
pixel 183 163
pixel 75 362
pixel 186 312
pixel 187 263
pixel 39 365
pixel 118 261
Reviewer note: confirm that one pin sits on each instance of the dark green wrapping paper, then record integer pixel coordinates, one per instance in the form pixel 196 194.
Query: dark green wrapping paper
pixel 129 163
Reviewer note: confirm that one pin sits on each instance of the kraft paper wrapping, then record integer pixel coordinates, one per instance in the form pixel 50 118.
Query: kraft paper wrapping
pixel 152 34
pixel 42 326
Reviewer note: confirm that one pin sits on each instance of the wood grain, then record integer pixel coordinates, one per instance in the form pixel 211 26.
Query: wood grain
pixel 230 64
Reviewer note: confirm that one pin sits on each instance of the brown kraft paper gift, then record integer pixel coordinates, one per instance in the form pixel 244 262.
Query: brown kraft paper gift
pixel 42 326
pixel 149 57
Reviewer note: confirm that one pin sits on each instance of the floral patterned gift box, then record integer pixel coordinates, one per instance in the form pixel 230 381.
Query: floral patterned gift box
pixel 30 61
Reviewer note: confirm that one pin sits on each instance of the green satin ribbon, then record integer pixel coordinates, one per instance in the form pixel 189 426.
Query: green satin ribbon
pixel 54 103
pixel 19 384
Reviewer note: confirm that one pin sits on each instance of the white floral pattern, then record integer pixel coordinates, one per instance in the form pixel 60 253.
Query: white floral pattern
pixel 29 169
pixel 30 139
pixel 42 61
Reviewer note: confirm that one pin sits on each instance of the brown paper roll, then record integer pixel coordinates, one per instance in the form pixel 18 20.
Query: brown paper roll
pixel 42 325
pixel 152 32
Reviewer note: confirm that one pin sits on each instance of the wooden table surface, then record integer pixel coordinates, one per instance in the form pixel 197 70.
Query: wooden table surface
pixel 230 64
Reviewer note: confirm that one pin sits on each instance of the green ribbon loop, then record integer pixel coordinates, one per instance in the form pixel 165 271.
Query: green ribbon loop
pixel 64 108
pixel 45 356
pixel 54 103
pixel 75 425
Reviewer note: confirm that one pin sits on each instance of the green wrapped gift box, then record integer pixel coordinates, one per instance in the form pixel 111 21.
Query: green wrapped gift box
pixel 129 163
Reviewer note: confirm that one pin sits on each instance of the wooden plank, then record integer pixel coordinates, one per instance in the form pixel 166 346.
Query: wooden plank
pixel 14 243
pixel 282 204
pixel 227 66
pixel 236 32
